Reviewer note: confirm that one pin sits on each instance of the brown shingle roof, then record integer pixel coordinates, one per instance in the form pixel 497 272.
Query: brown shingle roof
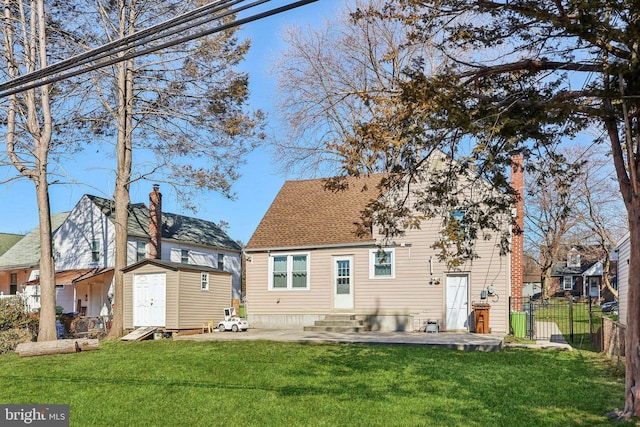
pixel 304 213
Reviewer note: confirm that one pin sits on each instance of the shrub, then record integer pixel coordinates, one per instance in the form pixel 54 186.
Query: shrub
pixel 10 339
pixel 13 313
pixel 15 323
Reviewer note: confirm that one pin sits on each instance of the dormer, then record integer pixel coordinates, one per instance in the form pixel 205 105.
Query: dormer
pixel 573 258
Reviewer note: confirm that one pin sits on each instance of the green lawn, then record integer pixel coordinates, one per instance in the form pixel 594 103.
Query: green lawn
pixel 232 384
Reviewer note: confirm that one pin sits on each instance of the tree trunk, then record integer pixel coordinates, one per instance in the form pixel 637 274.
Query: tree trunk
pixel 632 348
pixel 546 282
pixel 121 196
pixel 29 349
pixel 47 325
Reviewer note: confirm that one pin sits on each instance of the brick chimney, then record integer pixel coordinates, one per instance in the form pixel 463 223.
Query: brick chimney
pixel 155 222
pixel 517 240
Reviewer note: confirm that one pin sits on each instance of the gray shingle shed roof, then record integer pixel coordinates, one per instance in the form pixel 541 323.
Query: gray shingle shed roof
pixel 26 252
pixel 174 227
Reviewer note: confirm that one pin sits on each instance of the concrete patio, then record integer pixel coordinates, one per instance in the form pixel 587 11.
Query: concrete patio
pixel 456 341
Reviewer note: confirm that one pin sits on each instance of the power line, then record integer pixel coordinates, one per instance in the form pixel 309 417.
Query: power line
pixel 118 45
pixel 56 72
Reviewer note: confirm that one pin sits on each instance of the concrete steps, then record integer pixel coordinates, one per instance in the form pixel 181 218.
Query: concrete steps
pixel 337 323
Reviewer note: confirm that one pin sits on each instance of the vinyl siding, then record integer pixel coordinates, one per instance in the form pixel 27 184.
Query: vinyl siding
pixel 624 252
pixel 409 294
pixel 400 303
pixel 187 306
pixel 196 306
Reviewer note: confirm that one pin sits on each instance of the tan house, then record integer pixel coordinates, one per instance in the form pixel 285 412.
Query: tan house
pixel 305 263
pixel 174 296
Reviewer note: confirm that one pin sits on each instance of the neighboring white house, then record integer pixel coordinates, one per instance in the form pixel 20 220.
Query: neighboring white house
pixel 84 249
pixel 623 248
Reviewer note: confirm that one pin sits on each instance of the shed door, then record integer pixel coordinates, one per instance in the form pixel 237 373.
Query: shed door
pixel 149 299
pixel 457 305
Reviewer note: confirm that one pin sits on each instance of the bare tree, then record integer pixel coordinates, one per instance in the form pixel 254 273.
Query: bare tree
pixel 341 98
pixel 599 206
pixel 180 111
pixel 584 210
pixel 548 217
pixel 29 129
pixel 333 79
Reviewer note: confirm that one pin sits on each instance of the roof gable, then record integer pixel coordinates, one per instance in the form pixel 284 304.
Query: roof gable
pixel 173 266
pixel 305 213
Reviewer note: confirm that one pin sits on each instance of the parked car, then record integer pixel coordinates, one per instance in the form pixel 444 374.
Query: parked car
pixel 610 307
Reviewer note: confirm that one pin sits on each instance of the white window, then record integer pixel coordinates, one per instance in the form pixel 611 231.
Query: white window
pixel 289 271
pixel 184 256
pixel 573 258
pixel 567 283
pixel 382 263
pixel 141 251
pixel 95 251
pixel 204 281
pixel 454 228
pixel 220 261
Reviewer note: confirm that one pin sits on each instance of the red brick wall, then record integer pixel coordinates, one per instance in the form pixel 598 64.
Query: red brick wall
pixel 155 222
pixel 517 242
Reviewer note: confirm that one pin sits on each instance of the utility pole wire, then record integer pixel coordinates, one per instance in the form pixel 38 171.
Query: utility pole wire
pixel 39 78
pixel 108 48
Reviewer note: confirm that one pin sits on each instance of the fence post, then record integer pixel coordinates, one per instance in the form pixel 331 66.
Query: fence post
pixel 571 318
pixel 590 322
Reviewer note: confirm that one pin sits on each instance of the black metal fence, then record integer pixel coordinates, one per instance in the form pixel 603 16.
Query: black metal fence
pixel 555 319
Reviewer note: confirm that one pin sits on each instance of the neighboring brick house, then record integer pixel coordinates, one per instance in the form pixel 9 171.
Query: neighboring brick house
pixel 532 277
pixel 304 263
pixel 579 273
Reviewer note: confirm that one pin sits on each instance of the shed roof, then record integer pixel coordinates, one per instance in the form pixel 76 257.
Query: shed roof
pixel 173 266
pixel 305 213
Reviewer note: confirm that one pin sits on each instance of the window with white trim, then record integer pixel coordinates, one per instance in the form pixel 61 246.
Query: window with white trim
pixel 289 271
pixel 95 250
pixel 567 283
pixel 141 251
pixel 204 281
pixel 382 263
pixel 220 261
pixel 573 258
pixel 184 256
pixel 454 228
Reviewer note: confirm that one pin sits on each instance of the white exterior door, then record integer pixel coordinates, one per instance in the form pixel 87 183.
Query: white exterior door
pixel 149 299
pixel 457 302
pixel 343 283
pixel 594 287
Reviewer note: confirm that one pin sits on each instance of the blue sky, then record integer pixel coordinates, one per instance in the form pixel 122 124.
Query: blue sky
pixel 255 190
